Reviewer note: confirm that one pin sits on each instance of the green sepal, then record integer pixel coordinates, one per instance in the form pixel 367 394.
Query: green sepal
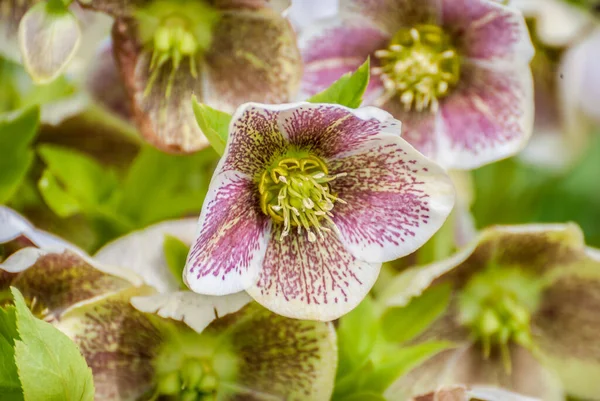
pixel 348 90
pixel 176 252
pixel 213 123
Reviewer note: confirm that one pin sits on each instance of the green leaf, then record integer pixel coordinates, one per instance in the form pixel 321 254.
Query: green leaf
pixel 83 177
pixel 17 131
pixel 176 252
pixel 214 125
pixel 402 361
pixel 363 396
pixel 357 334
pixel 10 385
pixel 405 323
pixel 59 200
pixel 50 365
pixel 348 90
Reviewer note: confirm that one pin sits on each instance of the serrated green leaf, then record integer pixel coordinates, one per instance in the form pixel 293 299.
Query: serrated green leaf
pixel 400 362
pixel 214 125
pixel 404 323
pixel 10 386
pixel 17 131
pixel 50 366
pixel 357 334
pixel 176 252
pixel 348 90
pixel 81 176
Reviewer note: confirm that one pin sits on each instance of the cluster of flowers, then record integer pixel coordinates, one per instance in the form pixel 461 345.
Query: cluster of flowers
pixel 309 200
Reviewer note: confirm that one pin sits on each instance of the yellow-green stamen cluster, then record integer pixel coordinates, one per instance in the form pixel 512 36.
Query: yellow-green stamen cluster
pixel 295 192
pixel 195 381
pixel 420 66
pixel 496 305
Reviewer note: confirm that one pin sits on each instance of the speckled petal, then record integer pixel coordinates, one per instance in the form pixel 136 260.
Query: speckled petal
pixel 231 238
pixel 467 366
pixel 48 42
pixel 333 47
pixel 488 117
pixel 253 57
pixel 142 252
pixel 278 5
pixel 163 113
pixel 539 248
pixel 488 32
pixel 396 199
pixel 317 280
pixel 59 281
pixel 567 327
pixel 119 344
pixel 332 130
pixel 195 310
pixel 115 8
pixel 281 358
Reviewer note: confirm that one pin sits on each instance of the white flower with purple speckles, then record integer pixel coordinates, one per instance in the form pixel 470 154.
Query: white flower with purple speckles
pixel 455 72
pixel 307 202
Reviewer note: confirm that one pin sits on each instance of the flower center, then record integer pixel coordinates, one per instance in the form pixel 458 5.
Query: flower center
pixel 195 381
pixel 496 305
pixel 175 31
pixel 296 192
pixel 420 65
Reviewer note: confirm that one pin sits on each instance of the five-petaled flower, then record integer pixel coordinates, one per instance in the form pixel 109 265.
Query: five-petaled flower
pixel 523 310
pixel 307 202
pixel 225 52
pixel 455 72
pixel 146 345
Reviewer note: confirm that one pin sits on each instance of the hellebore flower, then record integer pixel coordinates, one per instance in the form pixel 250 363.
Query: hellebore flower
pixel 228 349
pixel 307 202
pixel 522 310
pixel 566 39
pixel 225 52
pixel 455 72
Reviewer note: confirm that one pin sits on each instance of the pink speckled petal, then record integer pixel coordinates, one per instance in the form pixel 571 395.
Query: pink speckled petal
pixel 311 280
pixel 231 238
pixel 391 15
pixel 334 47
pixel 488 117
pixel 329 130
pixel 396 199
pixel 254 138
pixel 488 32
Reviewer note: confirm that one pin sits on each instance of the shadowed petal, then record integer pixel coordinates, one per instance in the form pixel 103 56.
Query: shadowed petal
pixel 162 109
pixel 488 32
pixel 335 46
pixel 119 344
pixel 278 5
pixel 488 117
pixel 391 15
pixel 567 327
pixel 59 281
pixel 48 41
pixel 282 359
pixel 142 252
pixel 311 280
pixel 195 310
pixel 115 8
pixel 253 57
pixel 395 199
pixel 331 130
pixel 231 239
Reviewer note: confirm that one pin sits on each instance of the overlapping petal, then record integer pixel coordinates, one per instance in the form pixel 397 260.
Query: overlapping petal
pixel 489 116
pixel 231 239
pixel 281 358
pixel 253 57
pixel 119 344
pixel 142 252
pixel 312 280
pixel 488 32
pixel 396 199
